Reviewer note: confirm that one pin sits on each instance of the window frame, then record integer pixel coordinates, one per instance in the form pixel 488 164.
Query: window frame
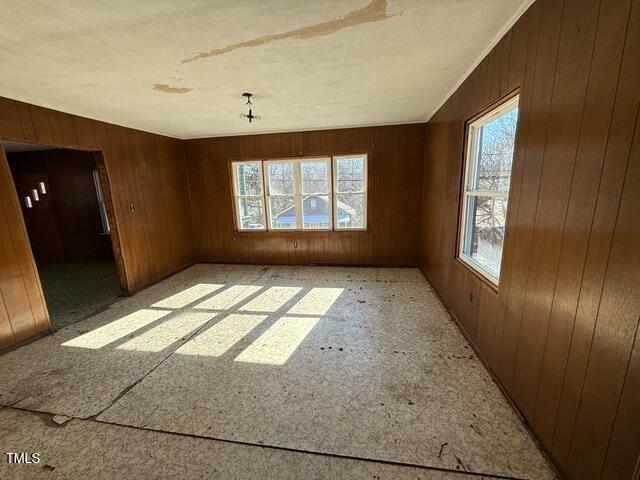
pixel 473 126
pixel 237 196
pixel 328 160
pixel 298 194
pixel 365 192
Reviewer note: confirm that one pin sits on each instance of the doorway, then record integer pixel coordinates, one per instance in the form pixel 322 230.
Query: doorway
pixel 65 201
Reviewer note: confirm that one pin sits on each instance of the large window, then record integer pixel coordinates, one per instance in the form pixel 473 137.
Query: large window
pixel 324 193
pixel 489 156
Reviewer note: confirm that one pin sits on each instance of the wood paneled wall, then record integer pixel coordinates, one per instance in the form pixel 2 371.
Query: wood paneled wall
pixel 22 309
pixel 561 332
pixel 145 170
pixel 395 190
pixel 76 213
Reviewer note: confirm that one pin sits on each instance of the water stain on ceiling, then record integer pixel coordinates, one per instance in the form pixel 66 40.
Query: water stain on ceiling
pixel 161 87
pixel 374 11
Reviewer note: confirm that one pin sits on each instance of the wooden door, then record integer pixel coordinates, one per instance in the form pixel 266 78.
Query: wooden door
pixel 40 219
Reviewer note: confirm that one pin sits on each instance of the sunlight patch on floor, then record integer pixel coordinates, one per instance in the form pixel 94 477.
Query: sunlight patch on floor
pixel 271 300
pixel 317 302
pixel 216 340
pixel 117 329
pixel 273 347
pixel 168 332
pixel 187 296
pixel 277 344
pixel 229 297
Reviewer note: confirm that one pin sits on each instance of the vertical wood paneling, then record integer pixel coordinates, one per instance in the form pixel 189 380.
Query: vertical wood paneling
pixel 625 441
pixel 19 317
pixel 614 333
pixel 561 332
pixel 19 282
pixel 565 121
pixel 6 331
pixel 144 169
pixel 540 110
pixel 10 122
pixel 530 22
pixel 613 172
pixel 394 197
pixel 586 178
pixel 41 126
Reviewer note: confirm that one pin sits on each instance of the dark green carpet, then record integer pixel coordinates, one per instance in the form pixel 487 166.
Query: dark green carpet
pixel 75 291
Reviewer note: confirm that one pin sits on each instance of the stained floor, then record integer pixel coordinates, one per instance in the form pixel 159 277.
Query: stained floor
pixel 286 371
pixel 77 290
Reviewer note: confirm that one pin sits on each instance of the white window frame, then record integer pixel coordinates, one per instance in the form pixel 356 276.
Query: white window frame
pixel 470 170
pixel 238 197
pixel 328 194
pixel 364 191
pixel 298 195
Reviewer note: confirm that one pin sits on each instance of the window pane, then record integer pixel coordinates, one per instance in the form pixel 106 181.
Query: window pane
pixel 315 176
pixel 315 211
pixel 484 231
pixel 496 142
pixel 350 174
pixel 350 210
pixel 251 213
pixel 283 213
pixel 248 177
pixel 280 178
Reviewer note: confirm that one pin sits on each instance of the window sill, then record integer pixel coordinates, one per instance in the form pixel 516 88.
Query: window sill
pixel 494 286
pixel 277 232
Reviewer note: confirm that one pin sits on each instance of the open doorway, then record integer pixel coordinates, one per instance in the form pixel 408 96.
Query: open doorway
pixel 64 195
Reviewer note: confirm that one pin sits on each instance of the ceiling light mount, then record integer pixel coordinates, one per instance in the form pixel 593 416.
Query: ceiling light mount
pixel 249 105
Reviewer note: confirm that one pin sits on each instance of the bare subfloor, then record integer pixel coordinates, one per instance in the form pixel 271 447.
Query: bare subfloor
pixel 229 371
pixel 77 290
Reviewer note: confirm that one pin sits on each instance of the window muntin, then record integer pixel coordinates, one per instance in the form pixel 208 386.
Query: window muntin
pixel 488 163
pixel 301 194
pixel 350 182
pixel 248 190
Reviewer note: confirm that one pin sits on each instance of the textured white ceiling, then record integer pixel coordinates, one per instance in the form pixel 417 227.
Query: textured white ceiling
pixel 179 67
